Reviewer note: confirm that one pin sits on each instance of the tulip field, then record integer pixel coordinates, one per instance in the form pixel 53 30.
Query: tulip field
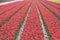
pixel 30 20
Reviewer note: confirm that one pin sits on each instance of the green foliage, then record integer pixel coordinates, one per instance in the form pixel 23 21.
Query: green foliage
pixel 4 0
